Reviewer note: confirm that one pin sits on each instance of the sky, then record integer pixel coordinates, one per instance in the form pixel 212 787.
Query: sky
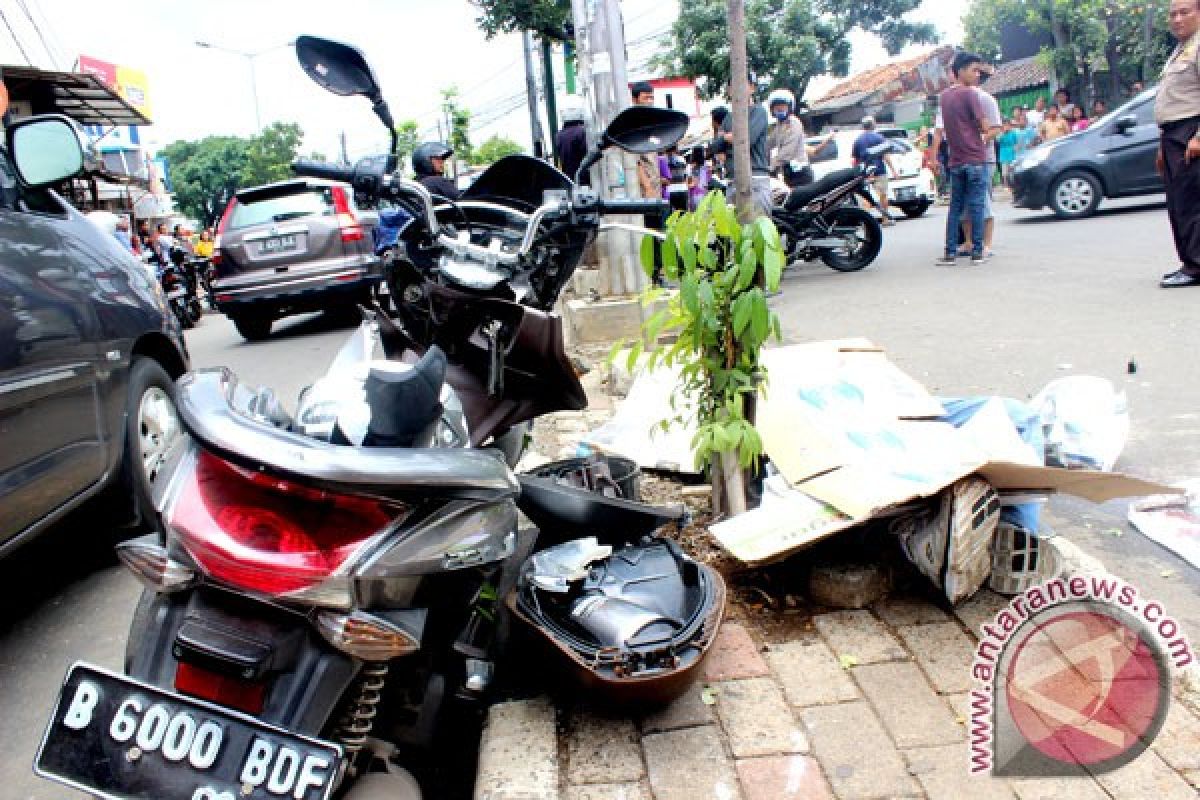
pixel 417 48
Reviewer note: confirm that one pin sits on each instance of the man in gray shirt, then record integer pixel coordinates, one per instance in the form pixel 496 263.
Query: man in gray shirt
pixel 760 165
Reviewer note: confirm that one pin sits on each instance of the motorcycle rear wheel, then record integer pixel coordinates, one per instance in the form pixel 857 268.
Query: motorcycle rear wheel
pixel 868 239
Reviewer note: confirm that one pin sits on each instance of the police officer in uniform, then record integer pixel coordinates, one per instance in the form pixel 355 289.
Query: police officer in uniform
pixel 1177 111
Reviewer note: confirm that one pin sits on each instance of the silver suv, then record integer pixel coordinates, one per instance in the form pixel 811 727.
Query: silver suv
pixel 289 248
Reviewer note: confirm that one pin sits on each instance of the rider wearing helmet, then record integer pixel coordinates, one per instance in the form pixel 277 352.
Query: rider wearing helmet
pixel 786 140
pixel 428 163
pixel 571 141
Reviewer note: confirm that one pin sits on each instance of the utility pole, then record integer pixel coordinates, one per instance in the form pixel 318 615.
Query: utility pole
pixel 531 96
pixel 739 98
pixel 551 104
pixel 600 41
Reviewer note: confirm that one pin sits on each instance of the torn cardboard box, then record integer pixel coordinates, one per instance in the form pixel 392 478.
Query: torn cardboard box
pixel 850 430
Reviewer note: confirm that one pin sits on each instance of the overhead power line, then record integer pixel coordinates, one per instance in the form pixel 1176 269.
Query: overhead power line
pixel 38 31
pixel 13 34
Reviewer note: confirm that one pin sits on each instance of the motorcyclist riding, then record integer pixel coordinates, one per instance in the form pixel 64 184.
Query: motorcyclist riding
pixel 786 141
pixel 428 163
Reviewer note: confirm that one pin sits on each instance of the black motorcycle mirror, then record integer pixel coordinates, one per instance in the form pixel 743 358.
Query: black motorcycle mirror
pixel 343 70
pixel 638 129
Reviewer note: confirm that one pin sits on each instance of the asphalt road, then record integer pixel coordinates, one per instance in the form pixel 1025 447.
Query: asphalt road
pixel 1059 298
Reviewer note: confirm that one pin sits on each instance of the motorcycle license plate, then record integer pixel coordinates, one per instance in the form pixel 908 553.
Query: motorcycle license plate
pixel 118 738
pixel 278 244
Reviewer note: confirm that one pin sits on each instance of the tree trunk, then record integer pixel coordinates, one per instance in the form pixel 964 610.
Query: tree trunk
pixel 740 100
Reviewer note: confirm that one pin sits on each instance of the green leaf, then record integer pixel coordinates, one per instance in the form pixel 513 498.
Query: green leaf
pixel 775 326
pixel 617 347
pixel 688 291
pixel 760 321
pixel 747 268
pixel 773 263
pixel 741 314
pixel 647 255
pixel 670 256
pixel 635 352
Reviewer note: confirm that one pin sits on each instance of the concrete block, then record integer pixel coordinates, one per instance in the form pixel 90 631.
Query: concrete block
pixel 609 791
pixel 1147 776
pixel 518 752
pixel 942 772
pixel 902 610
pixel 910 710
pixel 811 674
pixel 686 711
pixel 980 609
pixel 602 750
pixel 1179 740
pixel 860 635
pixel 782 778
pixel 1081 787
pixel 848 585
pixel 689 764
pixel 757 720
pixel 858 757
pixel 944 652
pixel 734 655
pixel 605 321
pixel 585 282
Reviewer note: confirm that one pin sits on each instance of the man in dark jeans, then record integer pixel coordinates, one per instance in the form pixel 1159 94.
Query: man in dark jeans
pixel 963 119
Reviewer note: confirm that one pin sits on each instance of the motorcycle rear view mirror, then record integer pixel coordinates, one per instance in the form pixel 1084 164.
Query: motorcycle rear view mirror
pixel 343 70
pixel 336 67
pixel 645 129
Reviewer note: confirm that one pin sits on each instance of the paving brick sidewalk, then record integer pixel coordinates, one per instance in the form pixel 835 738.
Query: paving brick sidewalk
pixel 868 704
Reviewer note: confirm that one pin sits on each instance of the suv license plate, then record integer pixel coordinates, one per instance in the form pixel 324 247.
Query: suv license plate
pixel 119 738
pixel 277 244
pixel 906 193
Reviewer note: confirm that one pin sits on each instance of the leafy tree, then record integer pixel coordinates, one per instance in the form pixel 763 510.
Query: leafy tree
pixel 459 120
pixel 787 41
pixel 206 173
pixel 494 149
pixel 1098 44
pixel 719 321
pixel 550 19
pixel 408 137
pixel 271 153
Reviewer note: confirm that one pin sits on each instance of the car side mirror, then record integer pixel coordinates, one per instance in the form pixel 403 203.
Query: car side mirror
pixel 1126 123
pixel 45 149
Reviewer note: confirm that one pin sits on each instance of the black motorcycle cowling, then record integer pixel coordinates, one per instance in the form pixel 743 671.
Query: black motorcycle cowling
pixel 636 629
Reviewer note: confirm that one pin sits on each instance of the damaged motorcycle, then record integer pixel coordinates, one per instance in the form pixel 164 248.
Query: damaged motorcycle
pixel 333 585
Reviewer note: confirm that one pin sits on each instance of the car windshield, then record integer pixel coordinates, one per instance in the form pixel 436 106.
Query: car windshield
pixel 282 209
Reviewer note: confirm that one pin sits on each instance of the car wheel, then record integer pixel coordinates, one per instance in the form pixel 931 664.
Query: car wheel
pixel 914 210
pixel 152 431
pixel 1075 195
pixel 253 329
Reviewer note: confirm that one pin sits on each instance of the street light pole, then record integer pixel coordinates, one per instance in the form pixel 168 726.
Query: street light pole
pixel 253 77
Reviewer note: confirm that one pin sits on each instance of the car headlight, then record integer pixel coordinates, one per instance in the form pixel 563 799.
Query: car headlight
pixel 1034 157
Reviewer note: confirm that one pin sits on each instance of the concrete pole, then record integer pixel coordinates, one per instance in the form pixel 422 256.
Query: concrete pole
pixel 607 40
pixel 739 98
pixel 551 100
pixel 531 95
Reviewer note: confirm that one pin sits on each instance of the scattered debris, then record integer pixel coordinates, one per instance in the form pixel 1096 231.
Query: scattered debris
pixel 708 696
pixel 847 660
pixel 1172 520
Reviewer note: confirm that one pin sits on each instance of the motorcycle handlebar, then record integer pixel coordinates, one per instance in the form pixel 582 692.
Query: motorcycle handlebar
pixel 320 169
pixel 633 207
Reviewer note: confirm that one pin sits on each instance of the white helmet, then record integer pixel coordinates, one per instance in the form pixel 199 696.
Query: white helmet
pixel 571 110
pixel 781 96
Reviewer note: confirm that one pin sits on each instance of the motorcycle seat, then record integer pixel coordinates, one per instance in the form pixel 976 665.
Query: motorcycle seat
pixel 803 195
pixel 405 399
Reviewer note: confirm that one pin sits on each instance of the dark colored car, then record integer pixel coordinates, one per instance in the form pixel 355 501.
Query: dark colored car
pixel 88 349
pixel 1114 157
pixel 289 248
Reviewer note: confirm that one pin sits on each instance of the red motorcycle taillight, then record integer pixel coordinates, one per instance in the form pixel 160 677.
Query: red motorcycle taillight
pixel 269 535
pixel 248 696
pixel 351 229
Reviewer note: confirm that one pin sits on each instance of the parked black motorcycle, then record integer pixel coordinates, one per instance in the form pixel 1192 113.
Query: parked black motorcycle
pixel 331 584
pixel 820 220
pixel 175 289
